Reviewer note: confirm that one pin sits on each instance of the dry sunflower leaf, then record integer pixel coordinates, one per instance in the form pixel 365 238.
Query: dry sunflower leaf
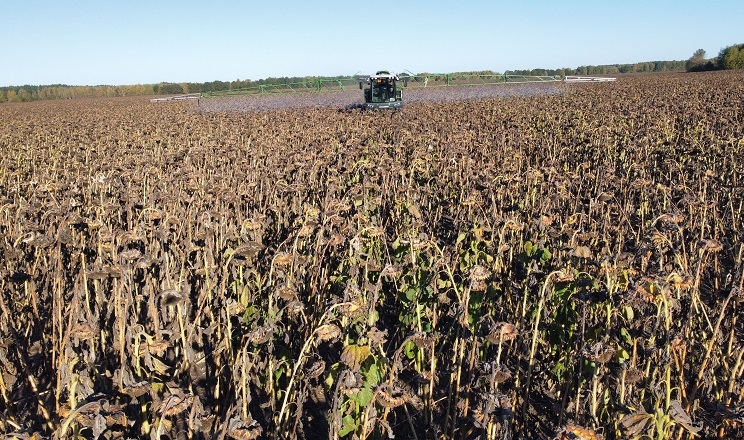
pixel 175 404
pixel 636 424
pixel 354 355
pixel 156 365
pixel 680 416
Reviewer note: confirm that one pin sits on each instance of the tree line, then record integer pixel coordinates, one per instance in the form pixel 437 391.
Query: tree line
pixel 731 57
pixel 608 69
pixel 27 93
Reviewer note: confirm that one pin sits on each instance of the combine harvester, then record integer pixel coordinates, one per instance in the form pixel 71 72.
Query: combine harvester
pixel 382 91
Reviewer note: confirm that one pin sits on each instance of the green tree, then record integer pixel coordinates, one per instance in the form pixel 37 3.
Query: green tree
pixel 168 89
pixel 732 57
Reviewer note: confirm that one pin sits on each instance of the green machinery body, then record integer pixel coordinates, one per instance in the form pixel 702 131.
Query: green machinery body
pixel 382 92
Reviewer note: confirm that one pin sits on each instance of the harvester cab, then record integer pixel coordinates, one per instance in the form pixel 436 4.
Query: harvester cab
pixel 382 91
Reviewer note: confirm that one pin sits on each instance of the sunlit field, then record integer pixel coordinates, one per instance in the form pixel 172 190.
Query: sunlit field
pixel 564 263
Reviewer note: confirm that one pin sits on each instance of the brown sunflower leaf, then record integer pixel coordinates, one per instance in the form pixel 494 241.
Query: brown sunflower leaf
pixel 634 425
pixel 354 355
pixel 680 416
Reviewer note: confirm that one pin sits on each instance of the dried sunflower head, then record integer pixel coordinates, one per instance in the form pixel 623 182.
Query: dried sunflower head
pixel 479 273
pixel 373 231
pixel 390 396
pixel 327 332
pixel 376 337
pixel 307 229
pixel 130 255
pixel 137 389
pixel 171 297
pixel 352 309
pixel 478 286
pixel 84 331
pixel 574 432
pixel 501 373
pixel 286 292
pixel 599 352
pixel 502 332
pixel 251 225
pixel 392 271
pixel 248 250
pixel 422 340
pixel 240 430
pixel 712 245
pixel 234 307
pixel 260 335
pixel 316 369
pixel 633 376
pixel 283 259
pixel 295 307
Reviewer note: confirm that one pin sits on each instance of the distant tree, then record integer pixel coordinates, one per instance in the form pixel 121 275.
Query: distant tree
pixel 697 61
pixel 20 94
pixel 732 57
pixel 698 56
pixel 168 89
pixel 598 70
pixel 668 66
pixel 612 70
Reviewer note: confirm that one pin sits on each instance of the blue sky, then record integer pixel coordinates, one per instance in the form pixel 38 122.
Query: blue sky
pixel 91 42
